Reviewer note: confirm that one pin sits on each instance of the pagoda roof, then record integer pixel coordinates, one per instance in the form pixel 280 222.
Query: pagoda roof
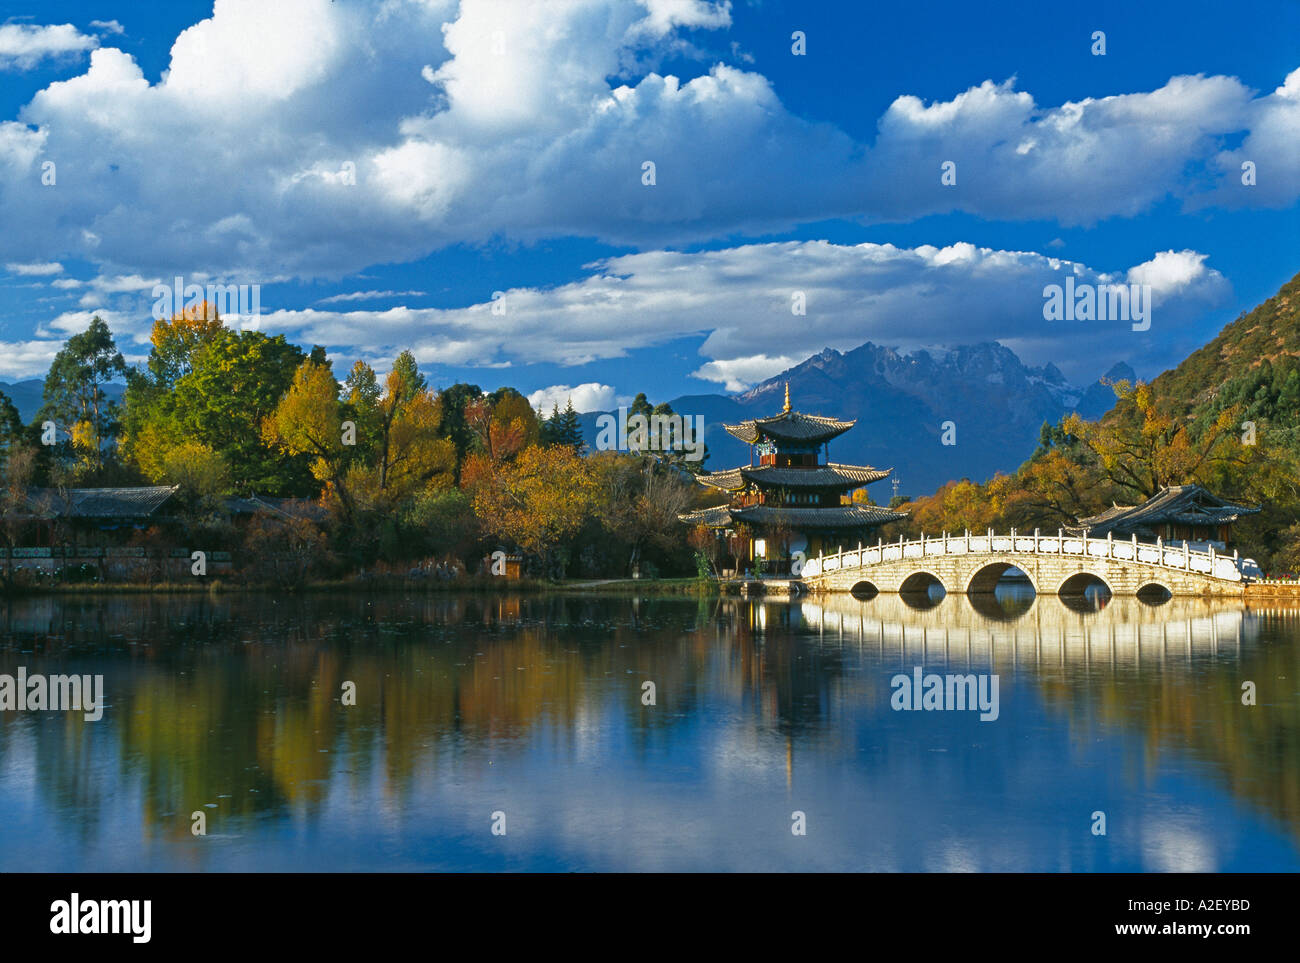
pixel 833 475
pixel 790 426
pixel 839 516
pixel 1179 504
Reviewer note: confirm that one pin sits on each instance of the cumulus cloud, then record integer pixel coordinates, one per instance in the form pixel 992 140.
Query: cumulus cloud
pixel 108 26
pixel 737 374
pixel 592 396
pixel 425 125
pixel 24 45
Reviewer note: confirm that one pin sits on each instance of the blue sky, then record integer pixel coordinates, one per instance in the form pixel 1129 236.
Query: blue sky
pixel 381 169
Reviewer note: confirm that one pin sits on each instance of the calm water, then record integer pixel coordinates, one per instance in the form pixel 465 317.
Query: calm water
pixel 468 706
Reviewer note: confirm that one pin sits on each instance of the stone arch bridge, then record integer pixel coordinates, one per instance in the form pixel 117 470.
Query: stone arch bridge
pixel 1057 564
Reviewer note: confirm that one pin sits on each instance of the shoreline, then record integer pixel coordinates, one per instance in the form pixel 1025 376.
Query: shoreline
pixel 384 585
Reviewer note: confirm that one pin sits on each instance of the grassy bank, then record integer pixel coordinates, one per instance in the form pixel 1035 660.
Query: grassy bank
pixel 384 584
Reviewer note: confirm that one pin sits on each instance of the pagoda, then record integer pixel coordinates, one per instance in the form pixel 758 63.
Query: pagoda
pixel 794 501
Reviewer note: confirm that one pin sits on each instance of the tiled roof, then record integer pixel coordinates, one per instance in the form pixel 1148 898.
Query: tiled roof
pixel 824 476
pixel 790 426
pixel 729 480
pixel 281 507
pixel 834 475
pixel 142 502
pixel 841 516
pixel 715 517
pixel 1180 504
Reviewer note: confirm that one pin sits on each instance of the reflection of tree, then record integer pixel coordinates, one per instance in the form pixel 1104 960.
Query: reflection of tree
pixel 1254 749
pixel 235 701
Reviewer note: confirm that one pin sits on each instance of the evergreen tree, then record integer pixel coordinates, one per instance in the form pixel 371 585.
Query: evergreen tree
pixel 569 429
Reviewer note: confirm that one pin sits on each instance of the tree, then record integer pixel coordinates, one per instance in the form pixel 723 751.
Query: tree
pixel 74 394
pixel 17 508
pixel 309 421
pixel 537 500
pixel 563 428
pixel 1143 448
pixel 502 424
pixel 176 340
pixel 12 431
pixel 452 403
pixel 643 500
pixel 236 383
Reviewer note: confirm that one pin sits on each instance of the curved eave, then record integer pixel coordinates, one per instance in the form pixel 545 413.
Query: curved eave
pixel 843 516
pixel 791 428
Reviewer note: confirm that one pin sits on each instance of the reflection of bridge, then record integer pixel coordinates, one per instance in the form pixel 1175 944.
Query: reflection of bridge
pixel 1055 565
pixel 1124 633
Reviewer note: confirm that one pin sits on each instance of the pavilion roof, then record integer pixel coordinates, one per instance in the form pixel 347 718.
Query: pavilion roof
pixel 124 503
pixel 1179 504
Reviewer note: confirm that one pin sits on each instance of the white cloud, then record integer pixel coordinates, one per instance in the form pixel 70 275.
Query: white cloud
pixel 739 300
pixel 34 270
pixel 24 45
pixel 738 374
pixel 369 296
pixel 592 396
pixel 108 26
pixel 523 135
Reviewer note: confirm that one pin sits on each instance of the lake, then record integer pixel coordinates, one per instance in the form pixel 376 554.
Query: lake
pixel 512 733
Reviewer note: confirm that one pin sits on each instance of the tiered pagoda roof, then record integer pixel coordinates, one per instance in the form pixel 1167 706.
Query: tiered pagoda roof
pixel 790 488
pixel 830 517
pixel 790 426
pixel 830 475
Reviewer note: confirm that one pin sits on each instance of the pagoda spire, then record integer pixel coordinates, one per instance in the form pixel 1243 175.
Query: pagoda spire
pixel 786 409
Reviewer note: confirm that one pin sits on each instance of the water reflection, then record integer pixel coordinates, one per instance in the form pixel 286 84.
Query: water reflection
pixel 534 706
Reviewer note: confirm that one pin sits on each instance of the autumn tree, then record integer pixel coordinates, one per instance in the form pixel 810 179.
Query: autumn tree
pixel 537 500
pixel 1143 447
pixel 309 421
pixel 502 423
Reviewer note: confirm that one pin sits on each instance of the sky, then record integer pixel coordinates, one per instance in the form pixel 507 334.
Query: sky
pixel 469 179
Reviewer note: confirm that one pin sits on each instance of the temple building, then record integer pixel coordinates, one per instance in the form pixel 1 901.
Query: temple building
pixel 1182 513
pixel 794 500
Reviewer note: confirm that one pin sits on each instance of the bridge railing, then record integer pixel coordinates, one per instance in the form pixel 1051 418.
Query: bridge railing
pixel 1181 556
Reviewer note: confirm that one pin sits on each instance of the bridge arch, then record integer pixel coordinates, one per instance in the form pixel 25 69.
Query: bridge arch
pixel 1154 592
pixel 1077 583
pixel 984 580
pixel 919 582
pixel 864 589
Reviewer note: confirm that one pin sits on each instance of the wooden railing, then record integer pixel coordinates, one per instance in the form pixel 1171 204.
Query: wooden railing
pixel 1209 563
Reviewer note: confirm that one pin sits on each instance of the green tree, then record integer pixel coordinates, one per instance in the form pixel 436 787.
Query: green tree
pixel 237 382
pixel 74 397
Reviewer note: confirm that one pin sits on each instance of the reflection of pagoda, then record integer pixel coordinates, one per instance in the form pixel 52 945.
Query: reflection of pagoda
pixel 792 501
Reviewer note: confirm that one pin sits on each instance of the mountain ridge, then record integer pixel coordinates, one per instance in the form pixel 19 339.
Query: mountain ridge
pixel 996 403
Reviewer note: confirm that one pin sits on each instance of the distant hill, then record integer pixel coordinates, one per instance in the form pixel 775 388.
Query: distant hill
pixel 28 396
pixel 901 401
